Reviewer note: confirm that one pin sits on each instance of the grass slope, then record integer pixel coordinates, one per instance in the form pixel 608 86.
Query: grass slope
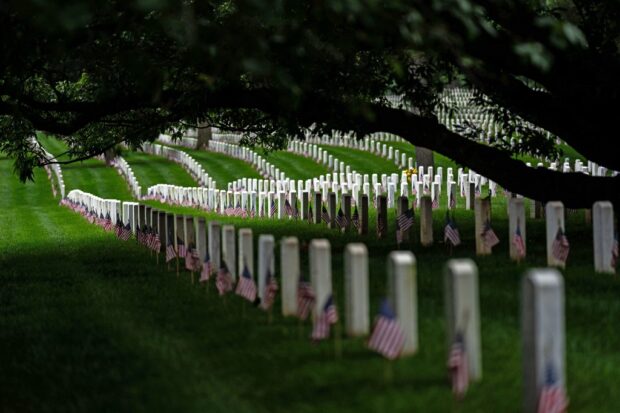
pixel 91 175
pixel 295 166
pixel 152 170
pixel 222 168
pixel 90 323
pixel 361 161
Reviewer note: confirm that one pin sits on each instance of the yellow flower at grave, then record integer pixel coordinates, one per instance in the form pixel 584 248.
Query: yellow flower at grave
pixel 409 172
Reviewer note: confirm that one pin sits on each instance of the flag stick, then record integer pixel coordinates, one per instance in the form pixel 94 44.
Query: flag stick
pixel 338 340
pixel 157 262
pixel 177 266
pixel 193 282
pixel 388 371
pixel 300 327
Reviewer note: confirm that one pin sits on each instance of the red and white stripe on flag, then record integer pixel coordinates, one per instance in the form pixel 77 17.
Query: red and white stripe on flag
pixel 388 338
pixel 552 400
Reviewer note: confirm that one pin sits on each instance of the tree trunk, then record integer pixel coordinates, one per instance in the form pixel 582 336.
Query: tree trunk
pixel 424 157
pixel 109 156
pixel 204 136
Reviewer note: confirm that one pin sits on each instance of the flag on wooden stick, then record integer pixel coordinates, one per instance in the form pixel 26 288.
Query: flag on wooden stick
pixel 269 293
pixel 457 364
pixel 489 238
pixel 355 219
pixel 388 338
pixel 518 242
pixel 451 231
pixel 246 287
pixel 552 396
pixel 323 321
pixel 560 247
pixel 205 274
pixel 305 298
pixel 224 281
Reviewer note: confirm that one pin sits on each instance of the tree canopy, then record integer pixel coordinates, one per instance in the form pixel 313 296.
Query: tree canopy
pixel 98 73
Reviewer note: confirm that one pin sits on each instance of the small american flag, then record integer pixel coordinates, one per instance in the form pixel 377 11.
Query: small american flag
pixel 192 260
pixel 140 235
pixel 355 219
pixel 452 201
pixel 305 299
pixel 323 321
pixel 388 338
pixel 156 246
pixel 269 294
pixel 125 232
pixel 518 242
pixel 272 210
pixel 246 287
pixel 341 219
pixel 205 274
pixel 614 251
pixel 324 214
pixel 181 248
pixel 435 203
pixel 451 232
pixel 457 364
pixel 238 210
pixel 552 396
pixel 288 209
pixel 170 253
pixel 381 227
pixel 405 220
pixel 488 235
pixel 224 281
pixel 118 229
pixel 560 247
pixel 108 223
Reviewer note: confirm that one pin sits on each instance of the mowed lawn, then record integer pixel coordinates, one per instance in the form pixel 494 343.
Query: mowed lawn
pixel 91 175
pixel 151 170
pixel 222 168
pixel 90 323
pixel 361 161
pixel 295 166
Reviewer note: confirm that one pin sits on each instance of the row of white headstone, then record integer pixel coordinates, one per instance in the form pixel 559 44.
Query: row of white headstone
pixel 52 168
pixel 184 159
pixel 266 168
pixel 126 172
pixel 543 335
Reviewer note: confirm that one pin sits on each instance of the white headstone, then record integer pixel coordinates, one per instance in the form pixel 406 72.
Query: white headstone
pixel 289 268
pixel 603 228
pixel 356 289
pixel 402 287
pixel 462 304
pixel 320 272
pixel 543 334
pixel 266 261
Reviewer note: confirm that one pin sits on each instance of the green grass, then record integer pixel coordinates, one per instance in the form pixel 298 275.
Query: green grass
pixel 222 168
pixel 92 175
pixel 295 166
pixel 89 323
pixel 361 161
pixel 151 170
pixel 409 149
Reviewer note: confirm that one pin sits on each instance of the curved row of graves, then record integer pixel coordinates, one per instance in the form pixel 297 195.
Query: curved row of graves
pixel 225 256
